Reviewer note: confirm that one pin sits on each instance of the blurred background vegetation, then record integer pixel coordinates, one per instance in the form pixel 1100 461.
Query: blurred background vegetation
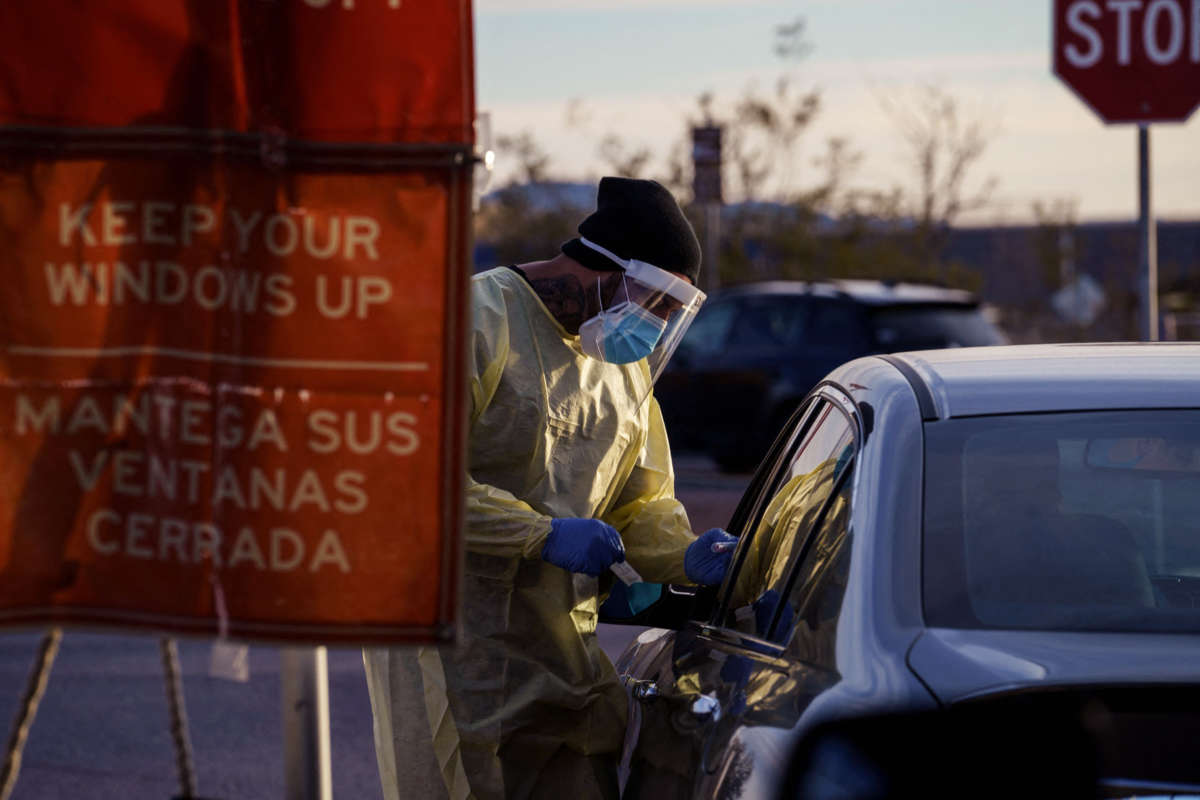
pixel 799 211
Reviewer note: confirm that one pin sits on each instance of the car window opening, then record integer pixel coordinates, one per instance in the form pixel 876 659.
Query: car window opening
pixel 800 497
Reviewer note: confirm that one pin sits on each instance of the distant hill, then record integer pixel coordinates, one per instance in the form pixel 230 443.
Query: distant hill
pixel 548 195
pixel 1014 273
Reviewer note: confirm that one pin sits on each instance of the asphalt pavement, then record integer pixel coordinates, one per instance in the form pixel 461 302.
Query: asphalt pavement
pixel 102 730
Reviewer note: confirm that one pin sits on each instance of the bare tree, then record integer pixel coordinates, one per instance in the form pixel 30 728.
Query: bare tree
pixel 617 156
pixel 763 138
pixel 677 174
pixel 532 161
pixel 1055 240
pixel 529 216
pixel 945 144
pixel 577 115
pixel 763 131
pixel 620 159
pixel 790 41
pixel 836 165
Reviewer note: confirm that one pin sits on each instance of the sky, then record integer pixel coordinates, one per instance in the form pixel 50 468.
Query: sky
pixel 571 72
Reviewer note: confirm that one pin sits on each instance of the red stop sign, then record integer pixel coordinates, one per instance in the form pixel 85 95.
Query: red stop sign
pixel 1130 60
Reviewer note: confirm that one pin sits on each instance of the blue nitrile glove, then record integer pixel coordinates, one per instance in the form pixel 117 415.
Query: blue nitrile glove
pixel 583 545
pixel 704 566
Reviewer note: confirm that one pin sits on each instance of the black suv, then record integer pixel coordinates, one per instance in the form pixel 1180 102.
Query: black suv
pixel 755 350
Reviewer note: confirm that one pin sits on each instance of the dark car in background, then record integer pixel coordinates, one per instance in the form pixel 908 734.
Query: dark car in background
pixel 755 350
pixel 1006 533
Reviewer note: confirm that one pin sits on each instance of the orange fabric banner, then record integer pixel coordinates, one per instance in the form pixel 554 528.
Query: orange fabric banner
pixel 380 71
pixel 230 376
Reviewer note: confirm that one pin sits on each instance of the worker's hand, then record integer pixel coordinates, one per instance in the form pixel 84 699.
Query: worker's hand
pixel 707 559
pixel 583 545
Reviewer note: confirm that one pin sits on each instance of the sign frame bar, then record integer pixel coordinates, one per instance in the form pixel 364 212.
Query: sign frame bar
pixel 1147 240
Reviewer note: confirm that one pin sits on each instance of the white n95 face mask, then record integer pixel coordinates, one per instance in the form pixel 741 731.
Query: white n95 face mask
pixel 650 313
pixel 621 335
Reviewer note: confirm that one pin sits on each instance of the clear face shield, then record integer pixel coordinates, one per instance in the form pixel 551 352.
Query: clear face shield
pixel 646 318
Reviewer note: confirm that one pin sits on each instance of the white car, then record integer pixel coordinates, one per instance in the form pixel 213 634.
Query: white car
pixel 999 527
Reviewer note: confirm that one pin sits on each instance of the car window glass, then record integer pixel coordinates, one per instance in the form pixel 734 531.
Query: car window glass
pixel 834 323
pixel 708 332
pixel 922 327
pixel 769 477
pixel 810 618
pixel 769 323
pixel 791 513
pixel 1069 521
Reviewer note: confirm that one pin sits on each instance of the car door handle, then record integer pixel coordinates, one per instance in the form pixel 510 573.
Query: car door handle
pixel 706 706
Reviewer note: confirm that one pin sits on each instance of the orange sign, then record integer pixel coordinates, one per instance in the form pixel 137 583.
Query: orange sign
pixel 231 330
pixel 381 71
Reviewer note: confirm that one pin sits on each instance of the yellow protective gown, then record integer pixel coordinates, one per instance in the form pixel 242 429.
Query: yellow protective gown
pixel 553 433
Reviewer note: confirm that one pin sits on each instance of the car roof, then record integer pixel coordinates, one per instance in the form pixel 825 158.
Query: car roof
pixel 972 381
pixel 867 292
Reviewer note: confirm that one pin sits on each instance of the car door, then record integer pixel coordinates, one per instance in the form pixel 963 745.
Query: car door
pixel 766 650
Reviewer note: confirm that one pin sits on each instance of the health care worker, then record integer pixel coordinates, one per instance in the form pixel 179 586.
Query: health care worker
pixel 569 473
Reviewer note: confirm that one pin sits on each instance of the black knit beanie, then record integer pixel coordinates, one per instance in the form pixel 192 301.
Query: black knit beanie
pixel 637 219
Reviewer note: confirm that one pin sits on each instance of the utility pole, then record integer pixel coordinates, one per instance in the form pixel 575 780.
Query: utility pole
pixel 1147 241
pixel 706 192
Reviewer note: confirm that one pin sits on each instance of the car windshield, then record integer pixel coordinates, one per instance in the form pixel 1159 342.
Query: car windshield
pixel 1080 521
pixel 919 327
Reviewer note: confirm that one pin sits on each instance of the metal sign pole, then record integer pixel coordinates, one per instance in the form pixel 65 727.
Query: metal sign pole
pixel 706 192
pixel 712 246
pixel 1147 241
pixel 304 679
